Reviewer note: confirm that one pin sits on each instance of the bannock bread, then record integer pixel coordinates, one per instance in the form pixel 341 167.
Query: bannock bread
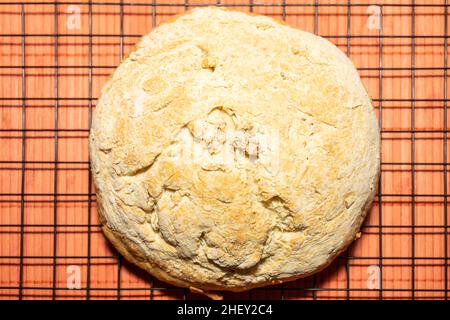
pixel 230 151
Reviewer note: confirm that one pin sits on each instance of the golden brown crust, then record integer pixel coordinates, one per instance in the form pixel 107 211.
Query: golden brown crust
pixel 231 152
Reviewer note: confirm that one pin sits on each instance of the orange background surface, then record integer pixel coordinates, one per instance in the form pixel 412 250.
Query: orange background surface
pixel 51 76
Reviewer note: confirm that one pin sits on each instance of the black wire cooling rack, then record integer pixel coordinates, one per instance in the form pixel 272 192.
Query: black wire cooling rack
pixel 51 76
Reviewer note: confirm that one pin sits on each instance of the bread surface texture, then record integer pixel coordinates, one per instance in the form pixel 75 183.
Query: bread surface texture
pixel 230 151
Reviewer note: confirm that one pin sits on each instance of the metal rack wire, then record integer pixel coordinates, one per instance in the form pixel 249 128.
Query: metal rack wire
pixel 58 228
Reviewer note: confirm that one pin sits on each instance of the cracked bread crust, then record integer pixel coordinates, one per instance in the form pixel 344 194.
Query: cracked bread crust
pixel 230 151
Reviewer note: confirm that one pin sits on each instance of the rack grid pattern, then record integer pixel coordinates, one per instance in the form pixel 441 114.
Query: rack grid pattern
pixel 56 55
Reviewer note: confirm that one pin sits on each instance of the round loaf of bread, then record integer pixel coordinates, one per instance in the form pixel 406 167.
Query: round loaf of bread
pixel 231 151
